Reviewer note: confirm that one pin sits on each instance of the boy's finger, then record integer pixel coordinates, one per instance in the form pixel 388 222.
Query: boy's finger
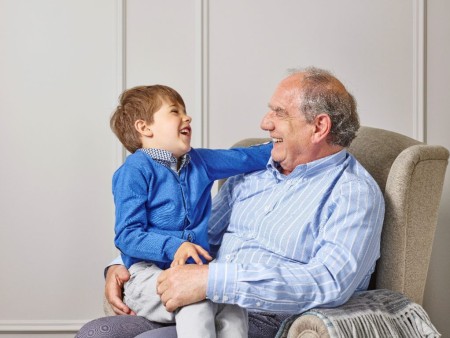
pixel 204 253
pixel 196 259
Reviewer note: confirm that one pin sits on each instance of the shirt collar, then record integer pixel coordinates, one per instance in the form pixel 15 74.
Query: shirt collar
pixel 309 168
pixel 166 158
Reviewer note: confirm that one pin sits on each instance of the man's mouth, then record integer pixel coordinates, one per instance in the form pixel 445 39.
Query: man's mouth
pixel 277 140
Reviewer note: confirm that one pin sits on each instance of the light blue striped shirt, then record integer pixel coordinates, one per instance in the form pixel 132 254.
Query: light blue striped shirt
pixel 291 243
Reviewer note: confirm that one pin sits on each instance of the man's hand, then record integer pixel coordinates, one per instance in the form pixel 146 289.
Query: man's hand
pixel 182 285
pixel 188 249
pixel 116 276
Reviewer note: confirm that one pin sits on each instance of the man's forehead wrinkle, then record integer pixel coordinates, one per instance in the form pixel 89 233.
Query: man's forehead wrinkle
pixel 292 99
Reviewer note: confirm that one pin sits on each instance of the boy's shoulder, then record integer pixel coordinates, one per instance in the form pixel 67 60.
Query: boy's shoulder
pixel 137 157
pixel 138 160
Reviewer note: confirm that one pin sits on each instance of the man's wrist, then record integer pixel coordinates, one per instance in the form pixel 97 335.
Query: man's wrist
pixel 221 282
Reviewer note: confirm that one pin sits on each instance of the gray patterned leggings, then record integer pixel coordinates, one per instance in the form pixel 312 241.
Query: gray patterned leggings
pixel 261 325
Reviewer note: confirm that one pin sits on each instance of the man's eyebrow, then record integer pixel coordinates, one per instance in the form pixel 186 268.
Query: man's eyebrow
pixel 276 109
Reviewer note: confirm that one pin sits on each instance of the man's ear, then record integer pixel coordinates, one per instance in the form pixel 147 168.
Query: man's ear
pixel 322 127
pixel 143 128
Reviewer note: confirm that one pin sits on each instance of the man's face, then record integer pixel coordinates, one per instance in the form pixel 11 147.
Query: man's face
pixel 288 128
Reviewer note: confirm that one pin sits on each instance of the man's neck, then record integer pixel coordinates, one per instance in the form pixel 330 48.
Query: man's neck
pixel 324 152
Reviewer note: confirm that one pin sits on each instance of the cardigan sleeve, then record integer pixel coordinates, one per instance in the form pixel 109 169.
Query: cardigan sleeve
pixel 223 163
pixel 131 192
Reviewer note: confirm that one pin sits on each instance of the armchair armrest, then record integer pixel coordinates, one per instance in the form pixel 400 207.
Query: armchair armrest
pixel 107 309
pixel 304 326
pixel 375 313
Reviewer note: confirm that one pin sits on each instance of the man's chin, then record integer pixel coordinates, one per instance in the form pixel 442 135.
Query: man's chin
pixel 276 156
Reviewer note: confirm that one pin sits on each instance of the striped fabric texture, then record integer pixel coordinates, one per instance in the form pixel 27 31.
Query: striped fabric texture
pixel 291 243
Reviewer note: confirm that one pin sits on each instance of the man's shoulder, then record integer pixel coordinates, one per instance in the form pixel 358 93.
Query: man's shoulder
pixel 356 173
pixel 251 179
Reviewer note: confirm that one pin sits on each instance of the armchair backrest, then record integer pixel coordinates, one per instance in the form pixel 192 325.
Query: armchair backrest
pixel 411 176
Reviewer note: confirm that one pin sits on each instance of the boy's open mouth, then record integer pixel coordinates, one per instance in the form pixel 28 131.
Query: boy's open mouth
pixel 186 131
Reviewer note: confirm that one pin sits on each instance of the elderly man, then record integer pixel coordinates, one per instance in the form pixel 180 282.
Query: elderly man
pixel 303 233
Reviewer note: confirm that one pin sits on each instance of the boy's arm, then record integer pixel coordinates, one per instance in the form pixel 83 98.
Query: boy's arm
pixel 131 190
pixel 221 163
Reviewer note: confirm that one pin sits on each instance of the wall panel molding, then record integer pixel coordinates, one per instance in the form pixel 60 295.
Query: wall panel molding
pixel 121 69
pixel 40 326
pixel 419 70
pixel 202 67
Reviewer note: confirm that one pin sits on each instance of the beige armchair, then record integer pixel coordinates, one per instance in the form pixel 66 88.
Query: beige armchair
pixel 411 176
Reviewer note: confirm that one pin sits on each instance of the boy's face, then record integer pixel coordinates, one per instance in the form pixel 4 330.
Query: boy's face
pixel 170 130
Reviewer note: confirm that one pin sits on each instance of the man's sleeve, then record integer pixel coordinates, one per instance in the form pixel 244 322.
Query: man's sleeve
pixel 117 261
pixel 220 214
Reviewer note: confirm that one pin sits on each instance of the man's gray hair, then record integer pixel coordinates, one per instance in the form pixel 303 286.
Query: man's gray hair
pixel 323 93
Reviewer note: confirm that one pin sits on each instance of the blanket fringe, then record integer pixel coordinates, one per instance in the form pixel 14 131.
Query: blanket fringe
pixel 373 314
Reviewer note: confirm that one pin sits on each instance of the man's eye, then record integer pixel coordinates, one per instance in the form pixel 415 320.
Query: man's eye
pixel 280 112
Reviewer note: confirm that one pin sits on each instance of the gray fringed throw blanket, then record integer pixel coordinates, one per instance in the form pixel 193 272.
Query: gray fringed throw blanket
pixel 371 314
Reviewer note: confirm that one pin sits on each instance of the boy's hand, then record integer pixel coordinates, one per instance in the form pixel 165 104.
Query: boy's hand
pixel 188 249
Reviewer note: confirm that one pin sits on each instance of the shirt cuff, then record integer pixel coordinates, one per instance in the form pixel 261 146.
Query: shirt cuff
pixel 117 261
pixel 222 279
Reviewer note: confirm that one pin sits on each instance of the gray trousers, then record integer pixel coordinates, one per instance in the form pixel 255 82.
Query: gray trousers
pixel 203 319
pixel 261 325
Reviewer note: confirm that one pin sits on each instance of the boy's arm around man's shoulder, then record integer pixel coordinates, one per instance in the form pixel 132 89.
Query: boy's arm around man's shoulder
pixel 223 163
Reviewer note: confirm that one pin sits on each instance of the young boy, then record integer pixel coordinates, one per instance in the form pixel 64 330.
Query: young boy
pixel 163 204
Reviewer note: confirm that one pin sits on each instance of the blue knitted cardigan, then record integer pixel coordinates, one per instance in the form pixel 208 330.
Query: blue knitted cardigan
pixel 157 210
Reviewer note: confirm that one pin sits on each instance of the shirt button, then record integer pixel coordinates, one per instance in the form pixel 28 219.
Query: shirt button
pixel 258 303
pixel 225 298
pixel 227 257
pixel 216 298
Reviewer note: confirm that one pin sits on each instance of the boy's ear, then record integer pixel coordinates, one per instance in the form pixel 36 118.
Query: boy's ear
pixel 143 128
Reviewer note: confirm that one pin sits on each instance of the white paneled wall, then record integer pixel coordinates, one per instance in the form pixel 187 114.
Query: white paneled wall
pixel 58 86
pixel 368 45
pixel 437 294
pixel 64 63
pixel 162 39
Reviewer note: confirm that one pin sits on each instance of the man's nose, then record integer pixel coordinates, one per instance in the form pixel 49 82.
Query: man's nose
pixel 267 123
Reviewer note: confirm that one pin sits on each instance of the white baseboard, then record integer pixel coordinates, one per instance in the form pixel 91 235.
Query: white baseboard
pixel 38 326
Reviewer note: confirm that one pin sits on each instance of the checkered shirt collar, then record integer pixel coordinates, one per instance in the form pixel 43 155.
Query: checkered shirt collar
pixel 166 158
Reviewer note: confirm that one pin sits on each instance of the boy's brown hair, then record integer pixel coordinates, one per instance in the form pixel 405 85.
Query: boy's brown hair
pixel 139 103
